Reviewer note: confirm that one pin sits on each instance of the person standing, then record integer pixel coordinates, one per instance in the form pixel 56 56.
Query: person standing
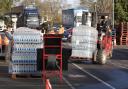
pixel 61 30
pixel 9 36
pixel 0 43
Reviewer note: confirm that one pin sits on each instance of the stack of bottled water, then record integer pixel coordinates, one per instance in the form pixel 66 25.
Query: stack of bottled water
pixel 84 41
pixel 24 55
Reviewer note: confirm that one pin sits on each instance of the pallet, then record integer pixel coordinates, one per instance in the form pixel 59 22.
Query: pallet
pixel 22 76
pixel 124 36
pixel 123 40
pixel 124 25
pixel 123 43
pixel 78 59
pixel 50 74
pixel 124 32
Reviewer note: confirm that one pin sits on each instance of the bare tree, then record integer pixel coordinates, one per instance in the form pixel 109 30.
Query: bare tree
pixel 27 2
pixel 51 9
pixel 104 6
pixel 5 6
pixel 86 3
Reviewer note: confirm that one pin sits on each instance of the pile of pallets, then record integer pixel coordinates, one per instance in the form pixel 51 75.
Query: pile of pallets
pixel 122 36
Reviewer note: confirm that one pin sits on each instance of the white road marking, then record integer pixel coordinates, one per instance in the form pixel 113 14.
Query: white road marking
pixel 95 77
pixel 18 85
pixel 69 84
pixel 76 76
pixel 118 65
pixel 29 85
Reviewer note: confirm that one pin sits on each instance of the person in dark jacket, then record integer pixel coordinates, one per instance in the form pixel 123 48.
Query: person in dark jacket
pixel 105 23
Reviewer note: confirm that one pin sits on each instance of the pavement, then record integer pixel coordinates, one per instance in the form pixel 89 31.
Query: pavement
pixel 84 75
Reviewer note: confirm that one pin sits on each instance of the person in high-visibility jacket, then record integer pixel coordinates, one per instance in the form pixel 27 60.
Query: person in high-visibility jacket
pixel 61 30
pixel 0 40
pixel 9 44
pixel 0 43
pixel 5 41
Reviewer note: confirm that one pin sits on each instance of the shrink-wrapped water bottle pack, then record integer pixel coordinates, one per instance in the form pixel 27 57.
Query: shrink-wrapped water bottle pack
pixel 24 53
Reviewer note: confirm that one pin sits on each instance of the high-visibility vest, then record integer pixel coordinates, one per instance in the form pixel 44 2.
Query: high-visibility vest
pixel 5 41
pixel 61 30
pixel 0 40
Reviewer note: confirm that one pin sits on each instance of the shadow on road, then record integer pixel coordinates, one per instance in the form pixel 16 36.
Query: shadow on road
pixel 120 54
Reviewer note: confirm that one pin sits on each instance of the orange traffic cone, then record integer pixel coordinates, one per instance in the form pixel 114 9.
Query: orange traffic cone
pixel 48 84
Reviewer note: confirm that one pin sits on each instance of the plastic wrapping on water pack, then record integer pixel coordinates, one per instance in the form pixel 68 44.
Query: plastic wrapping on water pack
pixel 84 41
pixel 24 54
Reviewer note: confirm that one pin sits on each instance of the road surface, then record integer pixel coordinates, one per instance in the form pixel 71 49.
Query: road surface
pixel 113 75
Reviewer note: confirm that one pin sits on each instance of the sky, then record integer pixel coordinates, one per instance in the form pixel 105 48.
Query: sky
pixel 68 1
pixel 75 3
pixel 72 3
pixel 17 2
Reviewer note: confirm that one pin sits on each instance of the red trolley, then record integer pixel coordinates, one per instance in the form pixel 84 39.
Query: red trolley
pixel 52 56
